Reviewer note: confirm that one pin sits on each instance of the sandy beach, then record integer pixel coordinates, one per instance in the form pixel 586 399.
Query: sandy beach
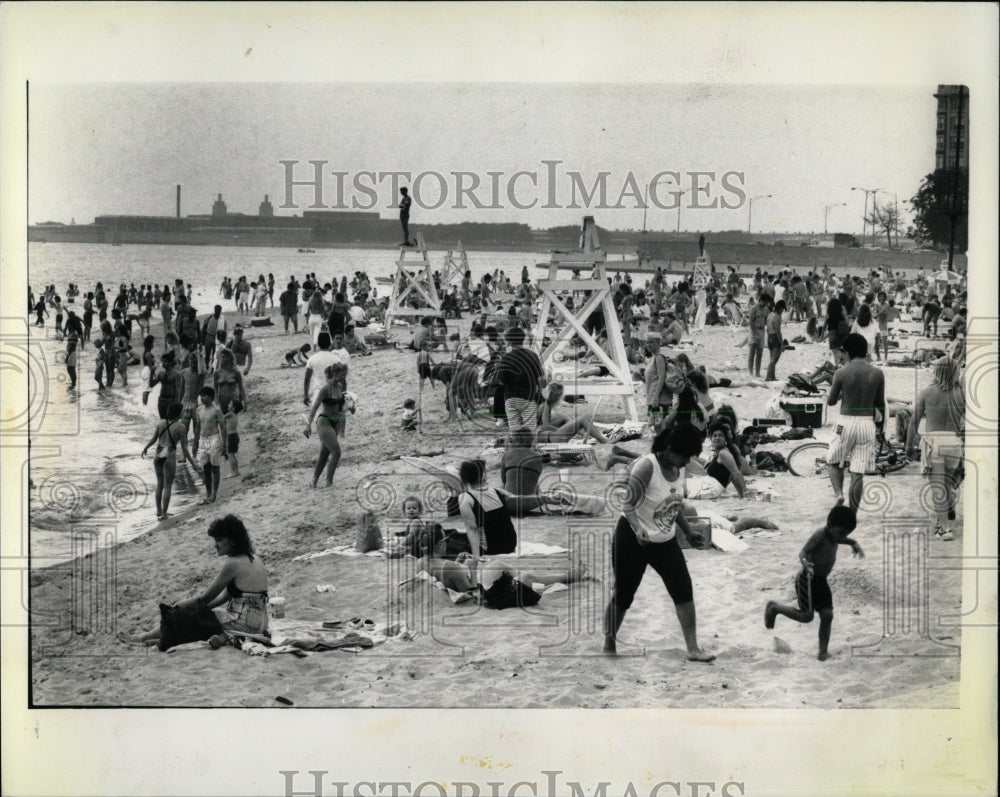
pixel 548 656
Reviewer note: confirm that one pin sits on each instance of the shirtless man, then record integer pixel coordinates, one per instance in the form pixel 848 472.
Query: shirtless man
pixel 242 351
pixel 941 447
pixel 171 384
pixel 208 428
pixel 860 388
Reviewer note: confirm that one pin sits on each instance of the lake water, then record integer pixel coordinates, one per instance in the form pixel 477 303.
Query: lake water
pixel 91 488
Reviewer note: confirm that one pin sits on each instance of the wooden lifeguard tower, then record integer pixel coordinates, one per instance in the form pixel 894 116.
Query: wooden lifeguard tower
pixel 592 258
pixel 702 272
pixel 418 286
pixel 456 263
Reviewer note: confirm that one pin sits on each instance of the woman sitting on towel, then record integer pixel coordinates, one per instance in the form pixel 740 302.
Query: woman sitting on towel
pixel 241 584
pixel 520 469
pixel 721 469
pixel 495 577
pixel 484 510
pixel 559 428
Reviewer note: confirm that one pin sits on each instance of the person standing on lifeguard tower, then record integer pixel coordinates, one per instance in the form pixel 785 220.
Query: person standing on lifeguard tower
pixel 404 216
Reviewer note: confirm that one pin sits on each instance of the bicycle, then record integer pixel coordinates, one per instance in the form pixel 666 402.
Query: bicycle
pixel 809 459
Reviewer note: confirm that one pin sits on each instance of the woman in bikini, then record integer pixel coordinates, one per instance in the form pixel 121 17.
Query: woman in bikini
pixel 721 468
pixel 331 403
pixel 558 428
pixel 169 433
pixel 241 584
pixel 228 381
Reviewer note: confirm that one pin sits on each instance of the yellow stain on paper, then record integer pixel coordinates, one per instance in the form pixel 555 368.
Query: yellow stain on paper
pixel 484 763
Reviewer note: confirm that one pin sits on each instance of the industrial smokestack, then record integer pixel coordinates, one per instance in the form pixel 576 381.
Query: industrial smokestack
pixel 178 201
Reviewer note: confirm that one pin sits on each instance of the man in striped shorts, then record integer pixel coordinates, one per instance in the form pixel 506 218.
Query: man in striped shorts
pixel 520 374
pixel 860 388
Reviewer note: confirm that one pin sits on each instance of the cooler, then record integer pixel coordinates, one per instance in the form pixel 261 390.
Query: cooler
pixel 807 412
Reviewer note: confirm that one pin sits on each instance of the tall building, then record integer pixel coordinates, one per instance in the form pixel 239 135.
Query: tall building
pixel 219 208
pixel 952 127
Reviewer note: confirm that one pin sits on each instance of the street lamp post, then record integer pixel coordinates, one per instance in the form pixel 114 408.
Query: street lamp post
pixel 682 193
pixel 826 209
pixel 750 214
pixel 864 218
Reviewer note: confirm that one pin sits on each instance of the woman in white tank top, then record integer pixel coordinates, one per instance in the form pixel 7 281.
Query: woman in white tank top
pixel 646 535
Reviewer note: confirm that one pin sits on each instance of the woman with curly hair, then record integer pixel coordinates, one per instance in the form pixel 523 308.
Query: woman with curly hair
pixel 241 583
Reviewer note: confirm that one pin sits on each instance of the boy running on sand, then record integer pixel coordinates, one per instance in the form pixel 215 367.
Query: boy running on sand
pixel 818 556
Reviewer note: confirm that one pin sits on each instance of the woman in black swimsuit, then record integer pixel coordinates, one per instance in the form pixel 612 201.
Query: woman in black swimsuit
pixel 241 584
pixel 484 510
pixel 723 466
pixel 168 434
pixel 332 402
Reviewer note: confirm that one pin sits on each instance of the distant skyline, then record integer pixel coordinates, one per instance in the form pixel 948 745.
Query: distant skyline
pixel 98 149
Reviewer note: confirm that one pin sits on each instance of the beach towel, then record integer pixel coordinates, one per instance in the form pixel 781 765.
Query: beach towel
pixel 300 637
pixel 727 542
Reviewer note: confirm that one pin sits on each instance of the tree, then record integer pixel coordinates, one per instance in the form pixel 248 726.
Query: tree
pixel 884 217
pixel 940 201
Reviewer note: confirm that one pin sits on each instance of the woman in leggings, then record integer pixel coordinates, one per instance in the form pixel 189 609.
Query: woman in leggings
pixel 646 536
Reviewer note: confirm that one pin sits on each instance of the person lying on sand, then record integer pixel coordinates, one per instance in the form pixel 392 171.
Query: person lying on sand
pixel 818 557
pixel 241 583
pixel 465 573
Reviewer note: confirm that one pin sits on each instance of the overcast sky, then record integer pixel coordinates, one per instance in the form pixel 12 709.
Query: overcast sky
pixel 121 148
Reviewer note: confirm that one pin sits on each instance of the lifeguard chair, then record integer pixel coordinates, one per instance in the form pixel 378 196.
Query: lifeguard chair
pixel 456 263
pixel 701 275
pixel 589 257
pixel 409 289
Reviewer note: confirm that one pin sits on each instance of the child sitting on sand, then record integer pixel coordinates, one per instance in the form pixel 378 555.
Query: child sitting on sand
pixel 297 357
pixel 409 418
pixel 818 556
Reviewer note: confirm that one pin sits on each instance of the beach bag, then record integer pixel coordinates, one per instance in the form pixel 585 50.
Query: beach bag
pixel 190 623
pixel 456 542
pixel 369 536
pixel 507 593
